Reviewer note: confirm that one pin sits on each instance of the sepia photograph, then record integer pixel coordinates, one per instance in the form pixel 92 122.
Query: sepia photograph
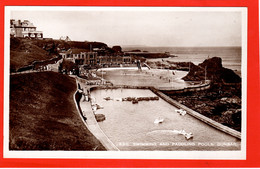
pixel 125 82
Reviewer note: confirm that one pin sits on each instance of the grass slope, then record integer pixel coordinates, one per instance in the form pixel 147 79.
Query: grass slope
pixel 24 51
pixel 43 115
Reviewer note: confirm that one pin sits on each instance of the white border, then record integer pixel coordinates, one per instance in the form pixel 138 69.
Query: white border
pixel 125 154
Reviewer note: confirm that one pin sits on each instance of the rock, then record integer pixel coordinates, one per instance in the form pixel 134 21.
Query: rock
pixel 227 113
pixel 219 108
pixel 213 63
pixel 224 99
pixel 233 100
pixel 238 111
pixel 214 72
pixel 100 117
pixel 236 117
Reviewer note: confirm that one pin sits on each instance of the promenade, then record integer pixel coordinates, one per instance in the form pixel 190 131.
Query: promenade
pixel 92 124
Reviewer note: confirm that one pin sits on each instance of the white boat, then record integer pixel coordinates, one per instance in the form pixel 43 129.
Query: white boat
pixel 94 107
pixel 184 133
pixel 118 99
pixel 158 120
pixel 188 135
pixel 181 112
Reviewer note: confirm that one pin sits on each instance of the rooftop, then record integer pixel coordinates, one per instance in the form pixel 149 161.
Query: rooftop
pixel 22 24
pixel 77 51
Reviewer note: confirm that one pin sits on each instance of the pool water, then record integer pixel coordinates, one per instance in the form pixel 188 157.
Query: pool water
pixel 145 77
pixel 131 126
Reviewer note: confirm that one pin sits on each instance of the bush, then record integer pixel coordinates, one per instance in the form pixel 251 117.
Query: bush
pixel 219 108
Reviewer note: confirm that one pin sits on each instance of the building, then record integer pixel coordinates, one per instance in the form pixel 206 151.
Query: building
pixel 24 29
pixel 80 56
pixel 127 59
pixel 65 38
pixel 87 57
pixel 114 60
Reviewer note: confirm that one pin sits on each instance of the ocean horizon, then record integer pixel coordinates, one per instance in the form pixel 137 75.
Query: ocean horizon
pixel 231 56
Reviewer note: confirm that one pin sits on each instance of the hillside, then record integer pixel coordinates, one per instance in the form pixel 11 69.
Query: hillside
pixel 24 52
pixel 43 115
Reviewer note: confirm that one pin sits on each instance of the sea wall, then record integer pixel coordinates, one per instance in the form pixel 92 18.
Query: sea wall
pixel 200 87
pixel 167 90
pixel 118 87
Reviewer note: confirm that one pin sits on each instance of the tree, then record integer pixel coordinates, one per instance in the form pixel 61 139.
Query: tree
pixel 117 49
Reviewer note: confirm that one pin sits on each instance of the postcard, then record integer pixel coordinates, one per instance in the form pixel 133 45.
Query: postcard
pixel 125 83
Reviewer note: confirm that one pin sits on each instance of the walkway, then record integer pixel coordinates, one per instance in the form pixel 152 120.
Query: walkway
pixel 49 67
pixel 91 121
pixel 93 126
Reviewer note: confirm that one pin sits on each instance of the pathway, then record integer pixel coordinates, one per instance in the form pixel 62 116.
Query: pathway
pixel 49 67
pixel 91 121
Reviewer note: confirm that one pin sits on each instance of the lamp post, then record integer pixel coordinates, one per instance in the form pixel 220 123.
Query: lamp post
pixel 102 74
pixel 205 73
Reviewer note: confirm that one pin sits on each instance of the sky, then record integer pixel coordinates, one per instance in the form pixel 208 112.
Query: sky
pixel 138 26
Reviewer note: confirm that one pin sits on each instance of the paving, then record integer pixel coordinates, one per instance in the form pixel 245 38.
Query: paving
pixel 93 126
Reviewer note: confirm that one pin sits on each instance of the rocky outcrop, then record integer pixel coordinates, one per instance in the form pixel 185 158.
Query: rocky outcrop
pixel 213 70
pixel 222 101
pixel 100 117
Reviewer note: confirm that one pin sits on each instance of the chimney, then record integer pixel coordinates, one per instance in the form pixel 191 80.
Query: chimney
pixel 11 22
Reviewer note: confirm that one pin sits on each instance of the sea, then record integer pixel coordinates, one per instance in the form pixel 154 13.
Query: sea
pixel 231 56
